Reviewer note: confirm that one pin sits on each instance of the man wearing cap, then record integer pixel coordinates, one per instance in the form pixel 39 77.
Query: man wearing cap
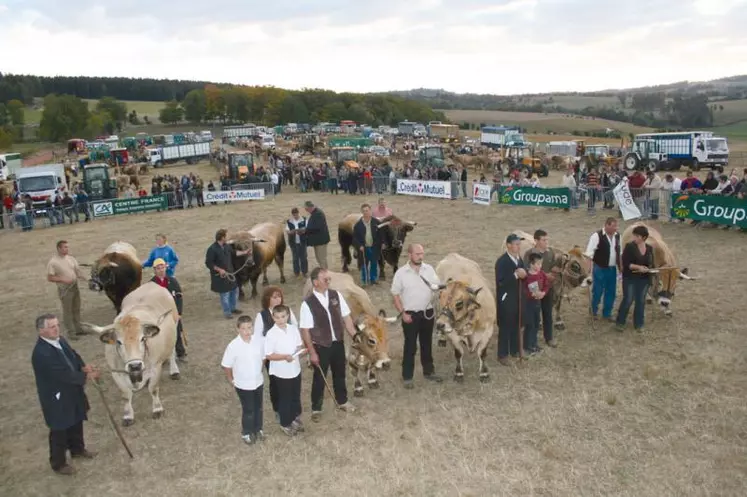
pixel 317 233
pixel 161 278
pixel 509 269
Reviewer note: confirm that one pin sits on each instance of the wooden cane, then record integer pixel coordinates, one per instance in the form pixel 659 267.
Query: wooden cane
pixel 111 419
pixel 521 335
pixel 329 389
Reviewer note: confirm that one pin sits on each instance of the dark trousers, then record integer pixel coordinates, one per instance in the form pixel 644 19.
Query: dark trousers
pixel 508 327
pixel 180 350
pixel 547 304
pixel 62 440
pixel 420 330
pixel 634 292
pixel 273 389
pixel 332 357
pixel 251 410
pixel 289 399
pixel 300 258
pixel 532 314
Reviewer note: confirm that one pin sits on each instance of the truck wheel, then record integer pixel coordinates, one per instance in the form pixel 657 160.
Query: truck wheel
pixel 652 166
pixel 159 164
pixel 631 162
pixel 696 165
pixel 544 171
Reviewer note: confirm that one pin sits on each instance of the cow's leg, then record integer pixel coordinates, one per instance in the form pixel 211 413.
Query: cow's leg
pixel 254 286
pixel 484 373
pixel 345 251
pixel 382 266
pixel 123 382
pixel 265 281
pixel 280 261
pixel 458 355
pixel 558 318
pixel 240 285
pixel 173 367
pixel 358 375
pixel 153 388
pixel 373 382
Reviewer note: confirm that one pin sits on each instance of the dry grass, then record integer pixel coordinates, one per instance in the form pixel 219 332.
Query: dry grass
pixel 610 414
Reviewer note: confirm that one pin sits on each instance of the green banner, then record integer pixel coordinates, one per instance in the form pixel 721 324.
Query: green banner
pixel 541 197
pixel 710 208
pixel 114 207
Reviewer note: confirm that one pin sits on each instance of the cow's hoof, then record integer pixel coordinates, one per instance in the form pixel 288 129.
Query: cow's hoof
pixel 382 277
pixel 128 422
pixel 484 379
pixel 157 414
pixel 344 270
pixel 175 376
pixel 282 279
pixel 374 385
pixel 386 366
pixel 442 343
pixel 459 378
pixel 358 393
pixel 560 326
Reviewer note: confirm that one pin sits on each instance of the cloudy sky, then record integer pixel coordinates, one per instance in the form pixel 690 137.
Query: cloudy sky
pixel 480 46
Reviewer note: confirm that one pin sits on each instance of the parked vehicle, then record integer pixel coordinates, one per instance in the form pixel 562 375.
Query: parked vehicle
pixel 189 152
pixel 97 182
pixel 673 150
pixel 496 136
pixel 40 182
pixel 10 164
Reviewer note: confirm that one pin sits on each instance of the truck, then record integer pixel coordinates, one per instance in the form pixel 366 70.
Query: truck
pixel 97 182
pixel 350 142
pixel 406 128
pixel 496 137
pixel 10 164
pixel 40 182
pixel 444 132
pixel 693 149
pixel 189 152
pixel 243 131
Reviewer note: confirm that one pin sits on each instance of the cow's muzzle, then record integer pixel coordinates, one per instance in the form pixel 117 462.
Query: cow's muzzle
pixel 135 370
pixel 95 286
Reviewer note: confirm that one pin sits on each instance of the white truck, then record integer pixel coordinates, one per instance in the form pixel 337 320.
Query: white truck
pixel 243 131
pixel 40 182
pixel 169 154
pixel 694 149
pixel 10 164
pixel 498 136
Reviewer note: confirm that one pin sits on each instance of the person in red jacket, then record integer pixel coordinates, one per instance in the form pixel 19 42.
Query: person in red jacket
pixel 535 285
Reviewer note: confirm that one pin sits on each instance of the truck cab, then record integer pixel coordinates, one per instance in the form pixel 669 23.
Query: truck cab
pixel 340 155
pixel 267 143
pixel 41 182
pixel 97 182
pixel 717 153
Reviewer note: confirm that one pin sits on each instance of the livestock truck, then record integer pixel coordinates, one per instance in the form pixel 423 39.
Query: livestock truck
pixel 496 137
pixel 243 131
pixel 188 152
pixel 41 182
pixel 695 149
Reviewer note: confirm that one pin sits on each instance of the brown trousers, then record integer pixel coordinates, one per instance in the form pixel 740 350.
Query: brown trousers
pixel 320 253
pixel 70 298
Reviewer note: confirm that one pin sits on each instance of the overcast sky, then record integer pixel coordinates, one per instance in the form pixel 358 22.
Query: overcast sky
pixel 478 46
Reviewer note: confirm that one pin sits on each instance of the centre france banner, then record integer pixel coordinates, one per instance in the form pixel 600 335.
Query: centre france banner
pixel 539 197
pixel 710 208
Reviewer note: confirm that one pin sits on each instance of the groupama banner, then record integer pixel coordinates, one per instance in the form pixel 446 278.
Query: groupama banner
pixel 539 197
pixel 710 208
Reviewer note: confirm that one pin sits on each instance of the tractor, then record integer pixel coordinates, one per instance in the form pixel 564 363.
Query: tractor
pixel 431 155
pixel 98 183
pixel 520 155
pixel 645 154
pixel 239 165
pixel 341 155
pixel 593 156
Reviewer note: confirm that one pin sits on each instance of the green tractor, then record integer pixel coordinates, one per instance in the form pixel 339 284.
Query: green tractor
pixel 341 155
pixel 431 155
pixel 97 182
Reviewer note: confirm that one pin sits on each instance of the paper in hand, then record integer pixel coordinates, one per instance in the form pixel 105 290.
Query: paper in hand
pixel 298 353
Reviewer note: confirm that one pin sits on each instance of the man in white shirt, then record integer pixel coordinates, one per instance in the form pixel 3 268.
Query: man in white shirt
pixel 670 186
pixel 325 316
pixel 412 299
pixel 275 180
pixel 295 229
pixel 604 250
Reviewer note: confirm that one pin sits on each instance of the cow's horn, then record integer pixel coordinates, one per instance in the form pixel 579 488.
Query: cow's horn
pixel 411 223
pixel 472 291
pixel 97 329
pixel 113 264
pixel 384 224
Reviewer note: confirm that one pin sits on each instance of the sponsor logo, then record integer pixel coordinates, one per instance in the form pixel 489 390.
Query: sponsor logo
pixel 438 189
pixel 730 215
pixel 680 206
pixel 481 194
pixel 234 195
pixel 102 209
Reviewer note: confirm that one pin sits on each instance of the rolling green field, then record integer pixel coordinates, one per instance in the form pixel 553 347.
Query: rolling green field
pixel 735 111
pixel 150 109
pixel 574 102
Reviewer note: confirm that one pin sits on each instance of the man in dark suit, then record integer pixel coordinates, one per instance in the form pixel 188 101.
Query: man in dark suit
pixel 60 376
pixel 509 270
pixel 367 242
pixel 317 233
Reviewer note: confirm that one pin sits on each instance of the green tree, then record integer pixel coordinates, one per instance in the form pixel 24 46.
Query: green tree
pixel 4 116
pixel 132 117
pixel 359 113
pixel 100 122
pixel 195 106
pixel 117 111
pixel 293 110
pixel 64 117
pixel 16 112
pixel 171 113
pixel 335 112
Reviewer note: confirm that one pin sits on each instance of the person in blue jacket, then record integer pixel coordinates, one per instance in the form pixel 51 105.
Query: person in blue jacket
pixel 163 251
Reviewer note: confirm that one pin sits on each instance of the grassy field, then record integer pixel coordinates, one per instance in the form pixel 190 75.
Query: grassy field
pixel 605 413
pixel 735 111
pixel 574 102
pixel 150 109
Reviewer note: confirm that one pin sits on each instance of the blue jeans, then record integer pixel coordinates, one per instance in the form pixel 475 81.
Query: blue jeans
pixel 300 260
pixel 605 282
pixel 369 265
pixel 228 301
pixel 634 291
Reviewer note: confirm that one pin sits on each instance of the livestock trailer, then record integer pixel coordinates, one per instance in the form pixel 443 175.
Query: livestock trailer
pixel 497 136
pixel 690 148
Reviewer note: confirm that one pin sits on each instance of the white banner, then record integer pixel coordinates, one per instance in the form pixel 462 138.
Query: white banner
pixel 481 194
pixel 624 199
pixel 233 195
pixel 435 189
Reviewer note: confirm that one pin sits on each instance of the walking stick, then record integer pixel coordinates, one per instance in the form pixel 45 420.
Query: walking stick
pixel 111 419
pixel 329 389
pixel 521 335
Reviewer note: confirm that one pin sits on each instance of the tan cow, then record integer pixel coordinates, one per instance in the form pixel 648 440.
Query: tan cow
pixel 370 351
pixel 139 341
pixel 467 310
pixel 575 272
pixel 665 281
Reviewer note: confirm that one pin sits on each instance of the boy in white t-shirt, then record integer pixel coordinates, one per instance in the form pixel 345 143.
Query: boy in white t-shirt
pixel 242 361
pixel 283 348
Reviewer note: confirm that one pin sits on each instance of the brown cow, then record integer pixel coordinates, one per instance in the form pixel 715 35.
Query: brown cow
pixel 118 272
pixel 265 242
pixel 665 280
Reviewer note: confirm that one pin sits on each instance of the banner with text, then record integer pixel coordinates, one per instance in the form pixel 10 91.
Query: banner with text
pixel 710 208
pixel 540 197
pixel 114 207
pixel 233 195
pixel 625 201
pixel 481 194
pixel 435 189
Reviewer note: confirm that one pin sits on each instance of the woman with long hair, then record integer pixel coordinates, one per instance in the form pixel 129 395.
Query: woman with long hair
pixel 637 261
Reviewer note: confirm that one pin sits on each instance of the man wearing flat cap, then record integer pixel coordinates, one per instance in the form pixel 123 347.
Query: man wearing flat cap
pixel 509 271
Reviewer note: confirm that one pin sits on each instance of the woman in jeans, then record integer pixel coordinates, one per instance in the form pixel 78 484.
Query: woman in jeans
pixel 637 260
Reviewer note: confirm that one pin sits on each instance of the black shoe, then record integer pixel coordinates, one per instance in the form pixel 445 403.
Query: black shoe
pixel 236 311
pixel 433 377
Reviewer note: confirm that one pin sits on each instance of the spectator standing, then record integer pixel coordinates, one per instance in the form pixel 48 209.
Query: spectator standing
pixel 604 250
pixel 509 269
pixel 218 261
pixel 64 271
pixel 295 229
pixel 317 233
pixel 637 260
pixel 164 251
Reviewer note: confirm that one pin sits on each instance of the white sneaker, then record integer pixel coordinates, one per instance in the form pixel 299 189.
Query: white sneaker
pixel 347 407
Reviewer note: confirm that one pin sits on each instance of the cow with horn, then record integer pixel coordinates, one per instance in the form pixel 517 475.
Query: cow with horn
pixel 117 273
pixel 263 244
pixel 392 233
pixel 666 271
pixel 139 341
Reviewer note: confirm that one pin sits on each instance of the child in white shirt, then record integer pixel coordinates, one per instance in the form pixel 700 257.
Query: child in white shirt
pixel 283 348
pixel 242 361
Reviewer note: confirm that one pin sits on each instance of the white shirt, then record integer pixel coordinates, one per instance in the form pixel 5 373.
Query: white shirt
pixel 259 325
pixel 283 342
pixel 246 361
pixel 307 319
pixel 569 182
pixel 53 343
pixel 412 290
pixel 594 243
pixel 295 223
pixel 274 178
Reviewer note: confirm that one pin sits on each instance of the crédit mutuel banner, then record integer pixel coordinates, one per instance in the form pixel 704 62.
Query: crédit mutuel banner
pixel 435 189
pixel 233 195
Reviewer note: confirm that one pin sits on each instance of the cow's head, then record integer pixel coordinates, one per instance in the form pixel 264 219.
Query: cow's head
pixel 103 273
pixel 394 232
pixel 666 285
pixel 129 335
pixel 366 341
pixel 377 328
pixel 241 242
pixel 576 268
pixel 458 303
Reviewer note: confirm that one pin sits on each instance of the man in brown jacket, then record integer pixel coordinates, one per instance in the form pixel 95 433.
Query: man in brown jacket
pixel 64 271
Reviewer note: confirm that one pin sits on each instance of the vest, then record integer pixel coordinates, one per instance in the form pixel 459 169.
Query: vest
pixel 267 321
pixel 602 253
pixel 321 333
pixel 301 225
